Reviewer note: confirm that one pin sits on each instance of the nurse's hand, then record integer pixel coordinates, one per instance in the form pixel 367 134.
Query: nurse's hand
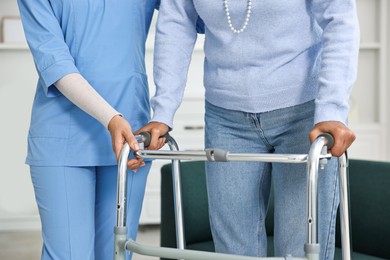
pixel 343 136
pixel 121 132
pixel 156 130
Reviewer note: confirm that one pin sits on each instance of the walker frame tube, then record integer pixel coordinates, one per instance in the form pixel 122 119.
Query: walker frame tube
pixel 316 158
pixel 177 197
pixel 344 208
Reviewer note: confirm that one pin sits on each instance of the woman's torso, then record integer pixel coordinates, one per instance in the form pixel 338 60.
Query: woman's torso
pixel 273 63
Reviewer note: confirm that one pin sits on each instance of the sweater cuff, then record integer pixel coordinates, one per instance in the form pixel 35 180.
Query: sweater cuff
pixel 163 118
pixel 330 112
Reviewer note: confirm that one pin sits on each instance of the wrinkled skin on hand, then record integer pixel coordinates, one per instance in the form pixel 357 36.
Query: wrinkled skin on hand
pixel 156 130
pixel 343 136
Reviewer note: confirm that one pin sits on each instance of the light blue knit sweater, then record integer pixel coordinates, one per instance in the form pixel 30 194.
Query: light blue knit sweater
pixel 292 51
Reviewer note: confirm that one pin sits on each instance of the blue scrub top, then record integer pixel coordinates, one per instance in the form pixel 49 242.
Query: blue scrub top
pixel 105 42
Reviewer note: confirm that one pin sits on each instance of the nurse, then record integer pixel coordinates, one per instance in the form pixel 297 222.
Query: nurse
pixel 276 75
pixel 92 92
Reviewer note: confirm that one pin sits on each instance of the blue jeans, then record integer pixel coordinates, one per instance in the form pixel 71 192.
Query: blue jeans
pixel 77 206
pixel 238 192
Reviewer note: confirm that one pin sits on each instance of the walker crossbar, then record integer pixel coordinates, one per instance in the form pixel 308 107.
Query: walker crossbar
pixel 242 157
pixel 172 253
pixel 316 158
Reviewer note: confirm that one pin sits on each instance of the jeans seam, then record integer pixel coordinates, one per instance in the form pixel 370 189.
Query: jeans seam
pixel 261 218
pixel 259 130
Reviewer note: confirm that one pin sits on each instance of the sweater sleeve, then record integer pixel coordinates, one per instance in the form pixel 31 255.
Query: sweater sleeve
pixel 340 42
pixel 175 39
pixel 46 41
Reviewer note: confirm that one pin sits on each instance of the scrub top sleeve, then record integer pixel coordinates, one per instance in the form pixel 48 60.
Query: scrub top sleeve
pixel 339 58
pixel 175 39
pixel 46 41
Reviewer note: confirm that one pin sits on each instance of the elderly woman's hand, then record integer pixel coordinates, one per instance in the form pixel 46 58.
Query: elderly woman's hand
pixel 343 136
pixel 156 130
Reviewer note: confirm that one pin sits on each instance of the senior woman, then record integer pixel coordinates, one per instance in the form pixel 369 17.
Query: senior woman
pixel 276 74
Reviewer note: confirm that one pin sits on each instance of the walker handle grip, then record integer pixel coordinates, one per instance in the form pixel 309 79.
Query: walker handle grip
pixel 147 137
pixel 329 139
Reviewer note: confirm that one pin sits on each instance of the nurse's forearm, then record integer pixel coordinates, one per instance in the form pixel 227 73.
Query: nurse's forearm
pixel 82 94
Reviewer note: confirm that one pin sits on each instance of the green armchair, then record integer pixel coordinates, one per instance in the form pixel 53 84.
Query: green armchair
pixel 369 210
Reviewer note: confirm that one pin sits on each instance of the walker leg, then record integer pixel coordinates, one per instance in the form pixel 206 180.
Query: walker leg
pixel 120 229
pixel 312 251
pixel 344 212
pixel 119 243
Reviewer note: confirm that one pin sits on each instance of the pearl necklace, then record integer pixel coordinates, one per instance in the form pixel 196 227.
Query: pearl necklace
pixel 248 15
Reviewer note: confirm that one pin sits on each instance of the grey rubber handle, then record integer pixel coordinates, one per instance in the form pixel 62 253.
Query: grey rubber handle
pixel 329 138
pixel 147 138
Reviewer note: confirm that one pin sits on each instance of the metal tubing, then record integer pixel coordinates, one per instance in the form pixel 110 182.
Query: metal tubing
pixel 313 160
pixel 344 210
pixel 243 157
pixel 173 155
pixel 119 249
pixel 120 238
pixel 120 229
pixel 177 196
pixel 280 158
pixel 122 186
pixel 173 253
pixel 312 187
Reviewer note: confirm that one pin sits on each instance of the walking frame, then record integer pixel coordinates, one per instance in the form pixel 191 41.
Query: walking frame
pixel 315 159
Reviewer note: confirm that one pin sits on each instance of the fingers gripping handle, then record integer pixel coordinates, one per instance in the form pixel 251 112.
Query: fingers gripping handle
pixel 147 137
pixel 329 139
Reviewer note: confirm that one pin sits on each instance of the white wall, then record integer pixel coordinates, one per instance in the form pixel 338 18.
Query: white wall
pixel 17 86
pixel 17 202
pixel 369 100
